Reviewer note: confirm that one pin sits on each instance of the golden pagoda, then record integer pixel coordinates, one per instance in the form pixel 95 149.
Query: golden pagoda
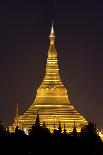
pixel 51 100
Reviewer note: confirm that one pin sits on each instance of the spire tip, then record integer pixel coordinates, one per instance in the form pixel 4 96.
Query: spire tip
pixel 52 34
pixel 52 29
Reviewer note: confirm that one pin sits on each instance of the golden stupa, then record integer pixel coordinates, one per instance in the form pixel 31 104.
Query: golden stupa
pixel 51 100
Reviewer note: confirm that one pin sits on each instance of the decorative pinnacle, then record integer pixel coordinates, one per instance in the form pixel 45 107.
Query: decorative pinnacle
pixel 52 29
pixel 52 35
pixel 17 116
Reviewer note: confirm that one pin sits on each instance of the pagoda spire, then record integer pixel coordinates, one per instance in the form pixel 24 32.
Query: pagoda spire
pixel 52 29
pixel 17 115
pixel 52 35
pixel 52 53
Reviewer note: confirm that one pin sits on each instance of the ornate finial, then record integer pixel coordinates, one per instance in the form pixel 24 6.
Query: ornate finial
pixel 52 29
pixel 64 129
pixel 52 35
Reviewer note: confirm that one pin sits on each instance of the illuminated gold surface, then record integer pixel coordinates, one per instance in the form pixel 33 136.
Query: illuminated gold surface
pixel 100 133
pixel 51 100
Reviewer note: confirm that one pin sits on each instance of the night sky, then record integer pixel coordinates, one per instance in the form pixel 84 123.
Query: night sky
pixel 24 41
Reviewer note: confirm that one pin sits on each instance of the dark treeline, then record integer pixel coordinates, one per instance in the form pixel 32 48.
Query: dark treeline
pixel 41 141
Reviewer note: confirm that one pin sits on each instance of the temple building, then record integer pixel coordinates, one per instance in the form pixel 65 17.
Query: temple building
pixel 52 102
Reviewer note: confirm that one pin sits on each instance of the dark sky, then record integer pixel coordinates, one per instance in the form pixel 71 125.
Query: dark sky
pixel 24 41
